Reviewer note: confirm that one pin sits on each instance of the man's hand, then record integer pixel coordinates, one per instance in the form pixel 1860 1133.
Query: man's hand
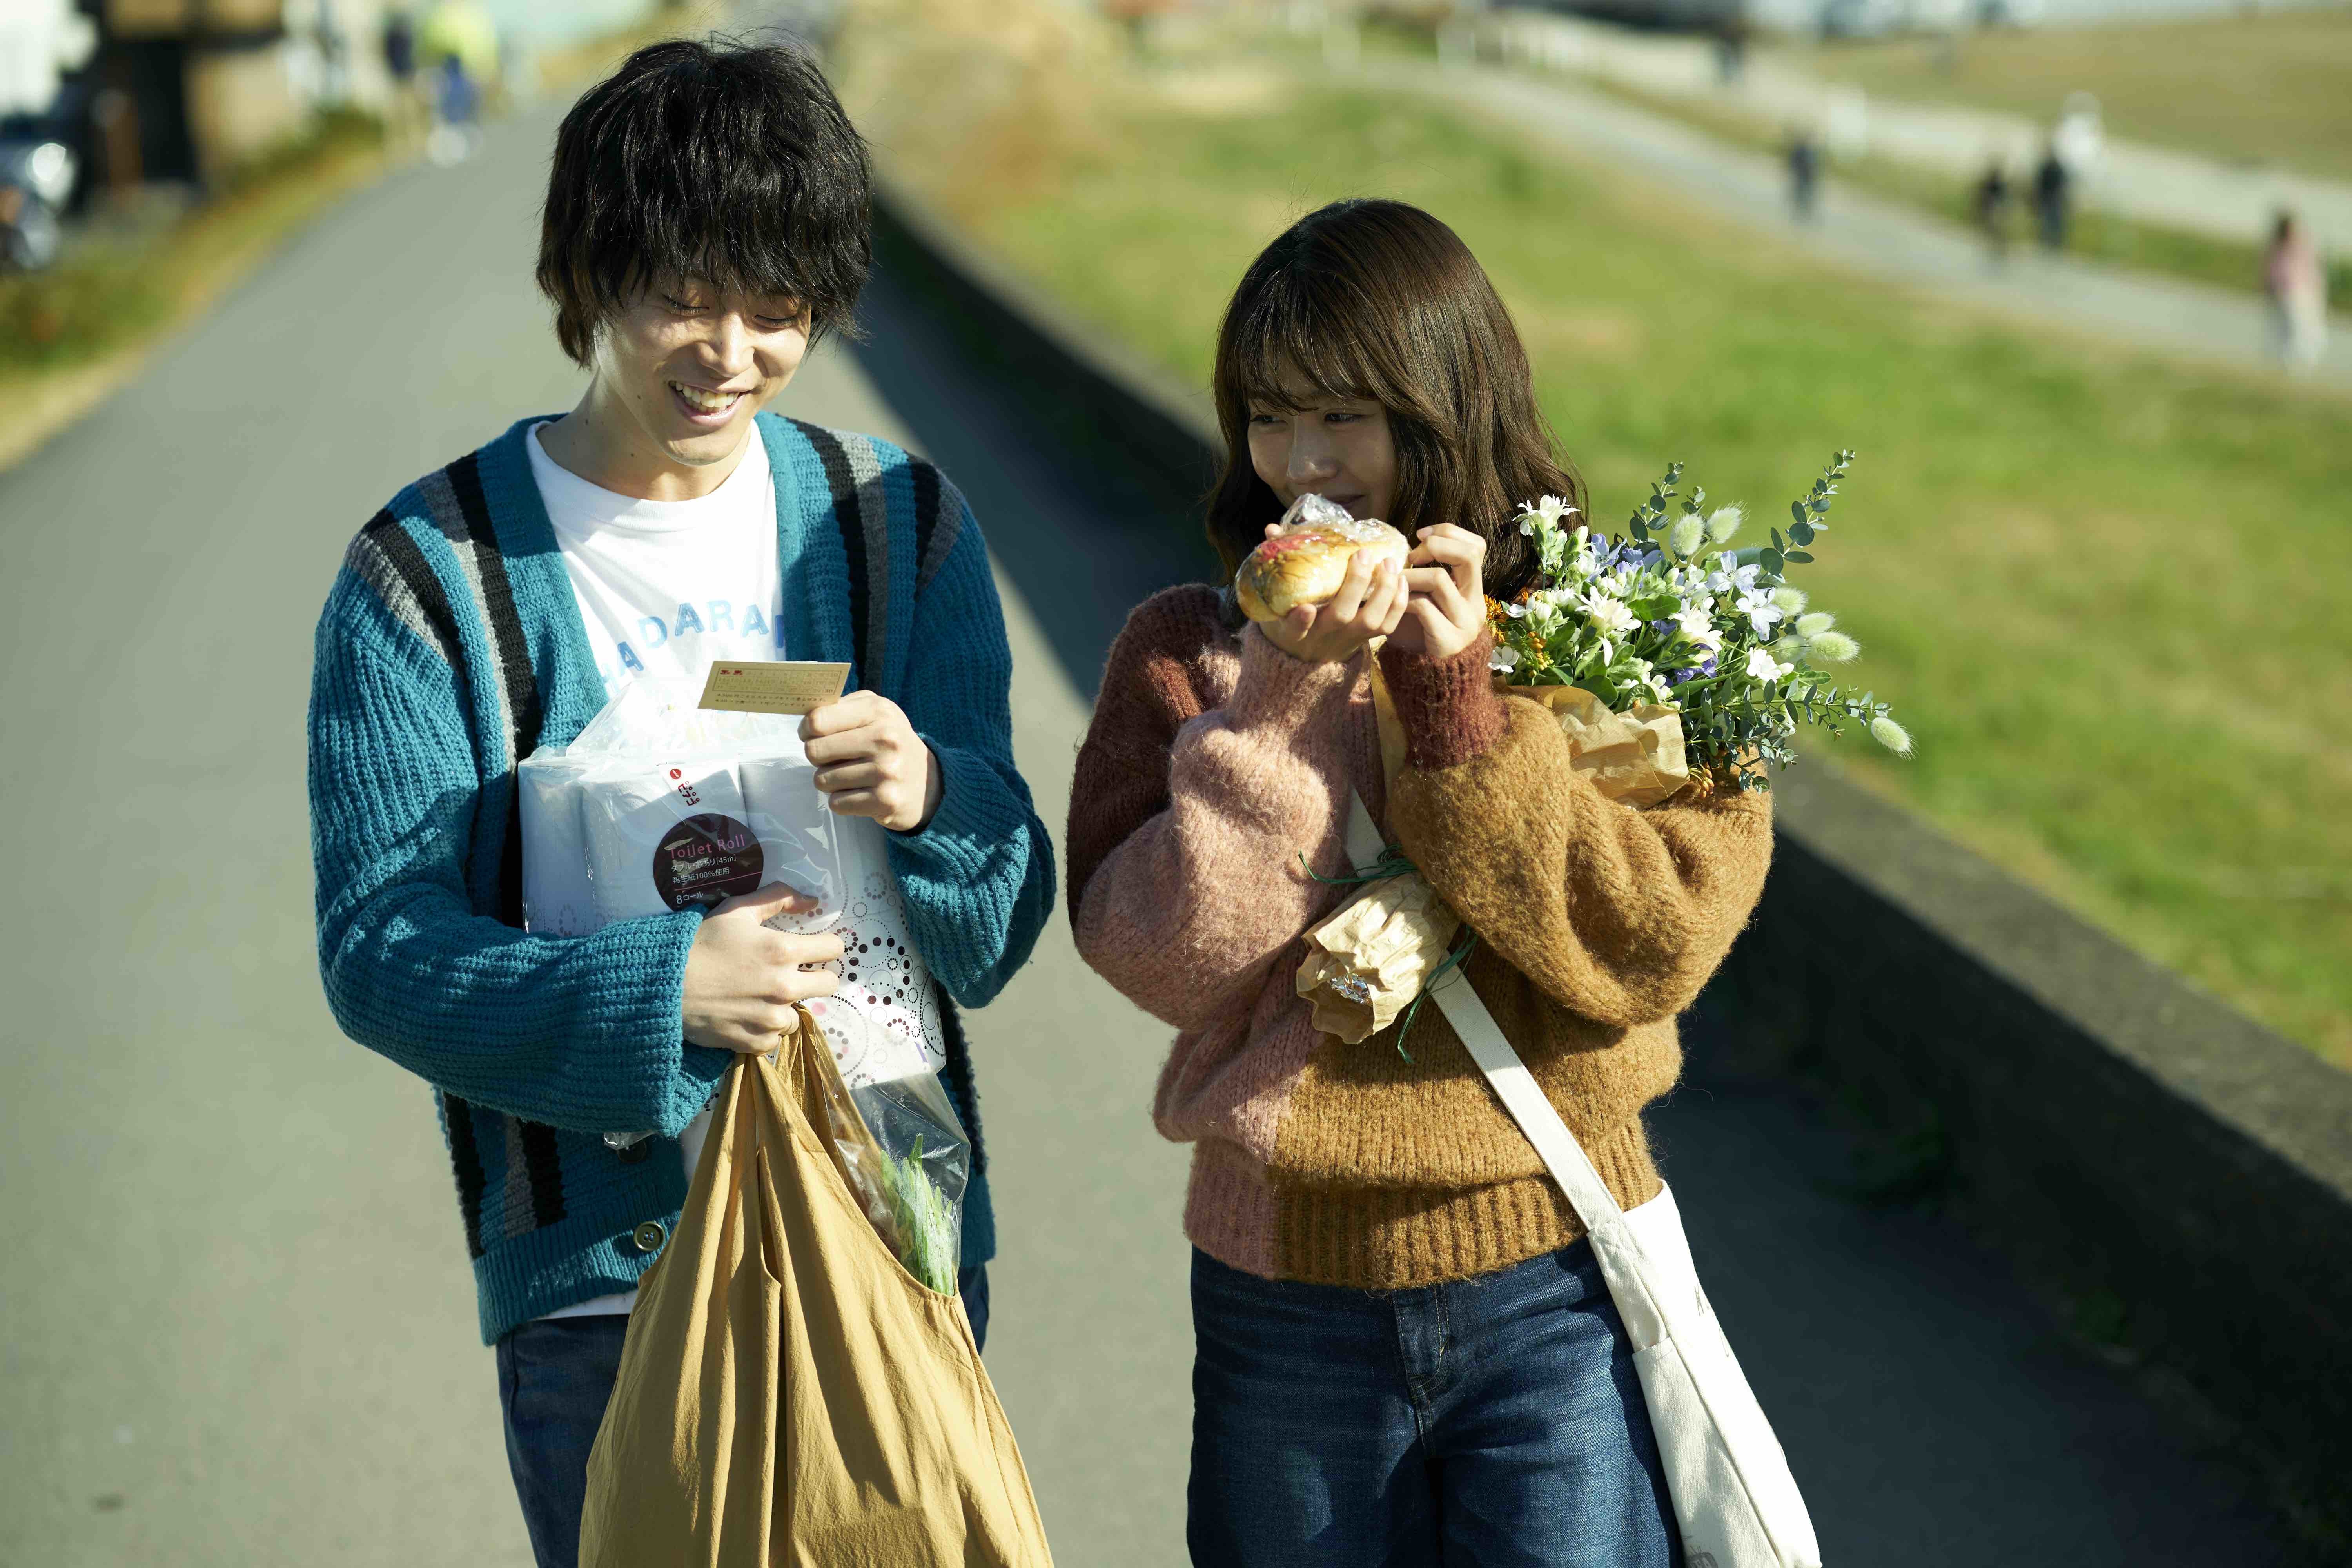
pixel 743 978
pixel 1370 603
pixel 870 763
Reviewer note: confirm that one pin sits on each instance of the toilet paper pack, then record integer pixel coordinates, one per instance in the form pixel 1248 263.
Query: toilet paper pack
pixel 660 805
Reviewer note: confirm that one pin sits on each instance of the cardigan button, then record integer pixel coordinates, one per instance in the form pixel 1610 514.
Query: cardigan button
pixel 648 1237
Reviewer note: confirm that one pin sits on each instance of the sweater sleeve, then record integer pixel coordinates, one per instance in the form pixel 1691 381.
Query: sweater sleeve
pixel 579 1033
pixel 1189 908
pixel 978 879
pixel 1618 915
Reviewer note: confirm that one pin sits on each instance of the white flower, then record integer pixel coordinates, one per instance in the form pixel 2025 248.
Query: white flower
pixel 1516 611
pixel 1739 579
pixel 1760 609
pixel 1503 658
pixel 1698 625
pixel 1764 667
pixel 1544 516
pixel 1608 616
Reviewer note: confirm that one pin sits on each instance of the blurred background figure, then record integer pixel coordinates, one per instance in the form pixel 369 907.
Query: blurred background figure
pixel 405 108
pixel 1804 173
pixel 2297 286
pixel 458 44
pixel 1992 210
pixel 2053 192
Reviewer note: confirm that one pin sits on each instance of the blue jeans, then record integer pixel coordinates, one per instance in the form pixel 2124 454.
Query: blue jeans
pixel 1495 1422
pixel 554 1379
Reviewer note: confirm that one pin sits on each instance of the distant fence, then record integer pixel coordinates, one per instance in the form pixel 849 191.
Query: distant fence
pixel 2123 1134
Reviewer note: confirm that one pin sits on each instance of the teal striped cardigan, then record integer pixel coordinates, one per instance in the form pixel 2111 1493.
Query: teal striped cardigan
pixel 450 648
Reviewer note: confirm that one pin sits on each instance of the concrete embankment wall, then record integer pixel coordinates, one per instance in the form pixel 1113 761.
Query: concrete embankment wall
pixel 2126 1138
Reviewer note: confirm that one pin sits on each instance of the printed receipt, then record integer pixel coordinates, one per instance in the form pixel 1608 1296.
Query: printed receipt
pixel 789 685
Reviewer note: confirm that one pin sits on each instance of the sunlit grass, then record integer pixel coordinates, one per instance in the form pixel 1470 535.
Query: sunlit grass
pixel 2107 593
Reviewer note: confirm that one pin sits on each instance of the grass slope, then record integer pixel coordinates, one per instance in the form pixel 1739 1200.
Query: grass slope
pixel 2107 593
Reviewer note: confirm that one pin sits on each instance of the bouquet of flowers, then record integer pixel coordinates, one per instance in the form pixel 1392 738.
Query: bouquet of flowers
pixel 1665 656
pixel 1673 623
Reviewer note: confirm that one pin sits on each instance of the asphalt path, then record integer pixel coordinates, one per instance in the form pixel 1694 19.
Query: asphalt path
pixel 236 1326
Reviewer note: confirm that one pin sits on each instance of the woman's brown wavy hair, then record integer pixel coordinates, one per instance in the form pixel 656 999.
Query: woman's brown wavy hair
pixel 1378 300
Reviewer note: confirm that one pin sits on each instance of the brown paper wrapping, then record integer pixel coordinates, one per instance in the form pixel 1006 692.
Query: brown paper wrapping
pixel 1634 757
pixel 1366 963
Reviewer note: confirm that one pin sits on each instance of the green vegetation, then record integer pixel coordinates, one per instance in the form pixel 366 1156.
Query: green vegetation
pixel 106 294
pixel 2266 88
pixel 2106 591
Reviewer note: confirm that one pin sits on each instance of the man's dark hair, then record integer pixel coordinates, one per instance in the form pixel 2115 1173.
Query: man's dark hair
pixel 727 162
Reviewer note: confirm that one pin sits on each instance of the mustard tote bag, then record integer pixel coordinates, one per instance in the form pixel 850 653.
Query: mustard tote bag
pixel 788 1393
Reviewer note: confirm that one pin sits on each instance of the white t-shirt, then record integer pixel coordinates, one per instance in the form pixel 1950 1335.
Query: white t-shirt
pixel 664 588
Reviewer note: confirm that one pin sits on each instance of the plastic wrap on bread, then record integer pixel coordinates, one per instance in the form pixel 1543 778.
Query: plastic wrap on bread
pixel 1305 563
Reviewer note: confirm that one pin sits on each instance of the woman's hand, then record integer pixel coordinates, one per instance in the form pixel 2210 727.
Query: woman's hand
pixel 870 763
pixel 1445 576
pixel 1368 605
pixel 743 978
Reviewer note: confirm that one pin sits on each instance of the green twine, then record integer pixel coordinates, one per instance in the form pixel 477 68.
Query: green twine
pixel 1454 959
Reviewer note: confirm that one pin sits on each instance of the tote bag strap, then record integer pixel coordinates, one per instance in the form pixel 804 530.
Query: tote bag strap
pixel 1513 1085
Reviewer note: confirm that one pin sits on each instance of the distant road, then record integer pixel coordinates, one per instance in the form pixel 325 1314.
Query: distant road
pixel 1873 235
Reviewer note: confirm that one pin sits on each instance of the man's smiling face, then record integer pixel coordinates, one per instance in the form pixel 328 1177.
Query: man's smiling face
pixel 688 366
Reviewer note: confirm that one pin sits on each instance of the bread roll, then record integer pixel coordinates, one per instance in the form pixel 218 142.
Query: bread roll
pixel 1304 563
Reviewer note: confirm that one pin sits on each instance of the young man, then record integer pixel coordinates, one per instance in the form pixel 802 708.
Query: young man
pixel 706 221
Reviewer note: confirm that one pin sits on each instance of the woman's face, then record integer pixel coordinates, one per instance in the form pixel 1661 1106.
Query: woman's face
pixel 1341 449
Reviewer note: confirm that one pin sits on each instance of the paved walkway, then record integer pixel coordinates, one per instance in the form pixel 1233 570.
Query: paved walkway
pixel 1865 233
pixel 2160 185
pixel 239 1324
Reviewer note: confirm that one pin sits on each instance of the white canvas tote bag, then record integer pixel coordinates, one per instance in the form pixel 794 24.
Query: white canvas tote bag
pixel 1733 1495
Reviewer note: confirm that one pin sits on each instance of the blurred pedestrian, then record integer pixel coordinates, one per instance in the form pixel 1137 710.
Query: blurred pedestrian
pixel 399 45
pixel 2052 195
pixel 456 105
pixel 2297 286
pixel 1804 174
pixel 1991 207
pixel 457 45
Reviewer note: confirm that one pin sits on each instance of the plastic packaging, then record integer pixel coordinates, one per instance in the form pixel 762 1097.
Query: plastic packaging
pixel 659 804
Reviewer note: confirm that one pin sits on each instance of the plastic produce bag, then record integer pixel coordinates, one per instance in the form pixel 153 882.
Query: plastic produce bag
pixel 900 1148
pixel 788 1393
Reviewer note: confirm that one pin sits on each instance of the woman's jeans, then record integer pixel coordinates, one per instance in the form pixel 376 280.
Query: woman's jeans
pixel 1492 1422
pixel 555 1376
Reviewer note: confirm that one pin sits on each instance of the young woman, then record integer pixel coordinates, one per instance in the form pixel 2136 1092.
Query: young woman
pixel 1405 1353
